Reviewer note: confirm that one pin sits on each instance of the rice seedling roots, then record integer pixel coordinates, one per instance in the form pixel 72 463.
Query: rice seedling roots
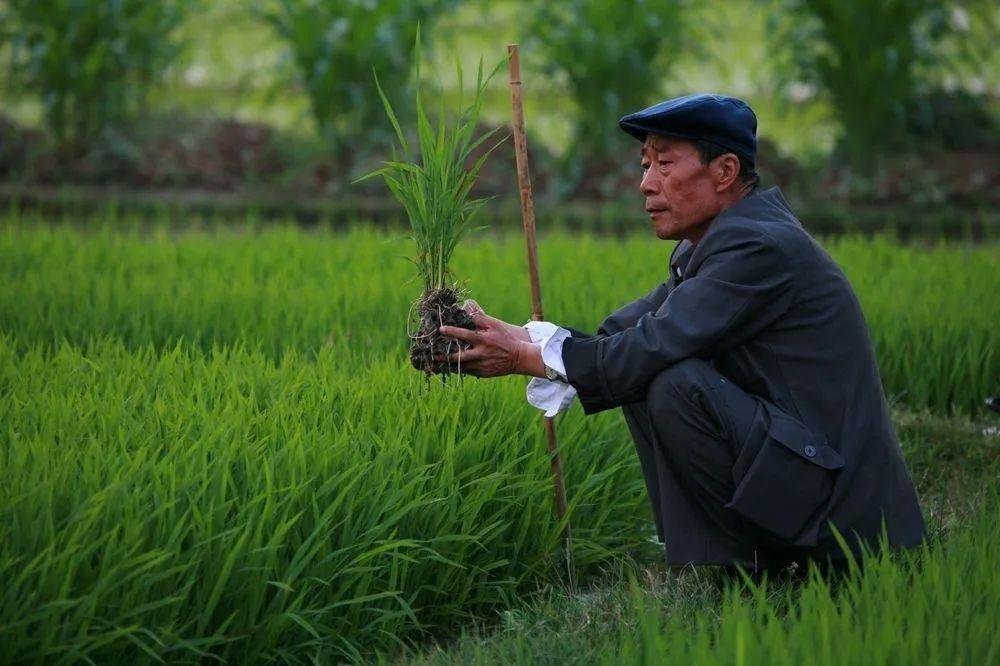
pixel 436 308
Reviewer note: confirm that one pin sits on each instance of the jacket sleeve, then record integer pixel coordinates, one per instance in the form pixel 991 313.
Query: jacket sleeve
pixel 736 292
pixel 628 315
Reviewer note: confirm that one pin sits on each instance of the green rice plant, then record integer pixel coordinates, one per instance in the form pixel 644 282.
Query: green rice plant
pixel 434 186
pixel 938 604
pixel 930 309
pixel 90 63
pixel 210 449
pixel 185 505
pixel 935 605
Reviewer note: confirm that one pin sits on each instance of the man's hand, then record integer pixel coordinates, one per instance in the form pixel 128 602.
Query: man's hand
pixel 498 348
pixel 519 332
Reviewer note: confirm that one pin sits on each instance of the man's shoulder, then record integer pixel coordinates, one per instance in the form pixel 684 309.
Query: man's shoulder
pixel 761 220
pixel 735 232
pixel 757 233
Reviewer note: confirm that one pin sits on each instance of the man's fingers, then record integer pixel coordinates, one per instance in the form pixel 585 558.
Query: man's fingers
pixel 464 356
pixel 459 333
pixel 482 320
pixel 472 307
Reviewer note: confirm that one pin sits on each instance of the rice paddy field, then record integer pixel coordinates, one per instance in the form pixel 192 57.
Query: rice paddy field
pixel 213 448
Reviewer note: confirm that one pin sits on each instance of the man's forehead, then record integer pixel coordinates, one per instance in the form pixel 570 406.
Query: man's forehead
pixel 655 143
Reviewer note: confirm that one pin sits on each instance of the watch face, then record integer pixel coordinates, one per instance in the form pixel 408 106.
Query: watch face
pixel 553 375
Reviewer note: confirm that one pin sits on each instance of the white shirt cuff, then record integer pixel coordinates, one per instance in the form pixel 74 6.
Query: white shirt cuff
pixel 551 396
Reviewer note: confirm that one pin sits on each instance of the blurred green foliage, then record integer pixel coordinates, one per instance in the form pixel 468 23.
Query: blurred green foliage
pixel 865 57
pixel 335 45
pixel 90 63
pixel 610 58
pixel 896 81
pixel 951 120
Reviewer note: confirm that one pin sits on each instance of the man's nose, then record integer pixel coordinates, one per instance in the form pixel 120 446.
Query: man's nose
pixel 647 185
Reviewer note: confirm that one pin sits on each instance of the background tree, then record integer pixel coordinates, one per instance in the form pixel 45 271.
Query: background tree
pixel 866 57
pixel 90 63
pixel 956 109
pixel 335 44
pixel 610 60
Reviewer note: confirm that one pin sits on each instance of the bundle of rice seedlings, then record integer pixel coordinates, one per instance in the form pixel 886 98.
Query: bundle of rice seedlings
pixel 433 187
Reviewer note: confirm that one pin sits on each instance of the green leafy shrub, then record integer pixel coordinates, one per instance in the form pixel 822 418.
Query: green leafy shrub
pixel 91 63
pixel 609 57
pixel 335 43
pixel 865 57
pixel 952 120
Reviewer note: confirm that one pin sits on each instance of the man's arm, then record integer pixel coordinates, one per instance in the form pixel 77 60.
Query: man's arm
pixel 628 315
pixel 530 363
pixel 737 292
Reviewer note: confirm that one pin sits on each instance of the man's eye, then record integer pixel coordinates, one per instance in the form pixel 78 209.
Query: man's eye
pixel 662 162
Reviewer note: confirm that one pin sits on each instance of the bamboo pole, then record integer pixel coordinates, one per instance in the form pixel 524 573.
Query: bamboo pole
pixel 528 217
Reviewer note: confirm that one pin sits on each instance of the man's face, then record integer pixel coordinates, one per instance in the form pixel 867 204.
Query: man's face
pixel 680 191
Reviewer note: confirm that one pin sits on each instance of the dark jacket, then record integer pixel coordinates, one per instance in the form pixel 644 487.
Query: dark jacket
pixel 759 297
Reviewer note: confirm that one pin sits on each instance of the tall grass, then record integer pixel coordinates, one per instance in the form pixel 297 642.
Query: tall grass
pixel 182 504
pixel 211 449
pixel 936 605
pixel 930 309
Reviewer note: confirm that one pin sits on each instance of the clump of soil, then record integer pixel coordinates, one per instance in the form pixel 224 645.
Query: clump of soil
pixel 438 307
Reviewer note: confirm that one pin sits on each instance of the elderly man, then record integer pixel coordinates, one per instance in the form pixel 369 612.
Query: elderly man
pixel 747 378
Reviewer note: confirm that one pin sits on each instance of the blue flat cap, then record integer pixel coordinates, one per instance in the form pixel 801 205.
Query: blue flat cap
pixel 727 121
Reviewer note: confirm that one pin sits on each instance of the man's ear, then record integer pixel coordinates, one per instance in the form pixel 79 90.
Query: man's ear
pixel 726 169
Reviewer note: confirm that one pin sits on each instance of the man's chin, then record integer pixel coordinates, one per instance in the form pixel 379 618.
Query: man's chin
pixel 665 233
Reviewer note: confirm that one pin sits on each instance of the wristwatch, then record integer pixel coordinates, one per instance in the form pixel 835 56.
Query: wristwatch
pixel 553 376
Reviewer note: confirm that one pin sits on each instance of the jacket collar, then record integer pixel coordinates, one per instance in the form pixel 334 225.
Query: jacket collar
pixel 679 259
pixel 745 207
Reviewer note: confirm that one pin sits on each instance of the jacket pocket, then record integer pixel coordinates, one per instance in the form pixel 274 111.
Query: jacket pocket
pixel 788 484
